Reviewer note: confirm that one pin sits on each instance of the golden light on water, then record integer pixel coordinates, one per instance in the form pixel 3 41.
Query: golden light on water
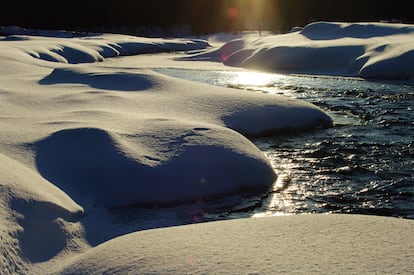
pixel 253 79
pixel 277 201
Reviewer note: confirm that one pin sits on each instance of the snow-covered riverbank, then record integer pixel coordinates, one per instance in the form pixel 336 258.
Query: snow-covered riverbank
pixel 368 50
pixel 84 132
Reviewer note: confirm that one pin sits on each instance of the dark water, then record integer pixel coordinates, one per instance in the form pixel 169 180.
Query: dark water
pixel 364 164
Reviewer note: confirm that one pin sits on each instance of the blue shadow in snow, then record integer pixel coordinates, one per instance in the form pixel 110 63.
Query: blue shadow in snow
pixel 105 81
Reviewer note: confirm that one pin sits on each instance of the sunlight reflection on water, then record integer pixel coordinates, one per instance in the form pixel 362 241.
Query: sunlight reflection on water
pixel 251 79
pixel 364 164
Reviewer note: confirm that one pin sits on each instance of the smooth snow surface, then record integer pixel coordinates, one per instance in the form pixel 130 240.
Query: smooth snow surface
pixel 84 134
pixel 327 244
pixel 368 50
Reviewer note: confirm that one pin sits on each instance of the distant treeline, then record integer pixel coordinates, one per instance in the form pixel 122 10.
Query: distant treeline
pixel 196 16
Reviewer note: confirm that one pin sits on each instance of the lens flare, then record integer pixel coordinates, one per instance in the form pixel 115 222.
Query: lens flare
pixel 232 12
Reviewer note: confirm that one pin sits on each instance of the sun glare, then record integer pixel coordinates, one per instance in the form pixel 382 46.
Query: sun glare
pixel 253 79
pixel 247 14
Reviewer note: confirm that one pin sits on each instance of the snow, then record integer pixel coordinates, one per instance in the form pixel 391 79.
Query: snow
pixel 292 244
pixel 194 162
pixel 96 48
pixel 86 135
pixel 368 50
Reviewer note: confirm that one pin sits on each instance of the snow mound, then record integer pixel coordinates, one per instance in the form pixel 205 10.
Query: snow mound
pixel 291 244
pixel 26 184
pixel 368 50
pixel 266 120
pixel 94 167
pixel 332 30
pixel 218 55
pixel 39 207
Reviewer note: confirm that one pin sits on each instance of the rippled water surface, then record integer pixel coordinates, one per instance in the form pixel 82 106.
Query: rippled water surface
pixel 364 164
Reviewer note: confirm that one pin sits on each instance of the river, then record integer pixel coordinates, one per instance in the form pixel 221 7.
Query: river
pixel 363 164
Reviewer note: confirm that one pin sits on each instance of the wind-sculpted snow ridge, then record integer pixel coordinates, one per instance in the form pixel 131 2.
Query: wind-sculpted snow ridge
pixel 64 47
pixel 367 50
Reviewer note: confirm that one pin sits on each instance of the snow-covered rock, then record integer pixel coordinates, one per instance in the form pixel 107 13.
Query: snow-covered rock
pixel 368 50
pixel 97 166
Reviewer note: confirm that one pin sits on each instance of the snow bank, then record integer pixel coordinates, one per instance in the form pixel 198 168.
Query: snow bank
pixel 30 209
pixel 291 244
pixel 80 138
pixel 91 48
pixel 368 50
pixel 202 162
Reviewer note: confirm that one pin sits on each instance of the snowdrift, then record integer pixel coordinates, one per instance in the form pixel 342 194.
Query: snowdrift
pixel 293 244
pixel 368 50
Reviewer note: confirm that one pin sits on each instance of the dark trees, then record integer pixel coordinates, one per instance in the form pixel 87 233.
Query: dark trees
pixel 200 16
